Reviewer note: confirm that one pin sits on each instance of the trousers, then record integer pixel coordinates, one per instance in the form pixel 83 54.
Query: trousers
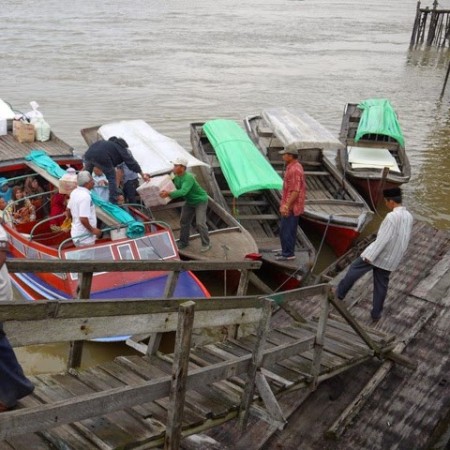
pixel 380 284
pixel 188 212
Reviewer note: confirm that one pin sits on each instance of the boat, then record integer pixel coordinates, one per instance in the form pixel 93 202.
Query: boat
pixel 155 153
pixel 373 157
pixel 131 236
pixel 333 208
pixel 240 179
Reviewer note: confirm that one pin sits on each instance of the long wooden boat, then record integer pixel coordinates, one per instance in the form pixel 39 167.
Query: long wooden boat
pixel 373 157
pixel 154 152
pixel 36 240
pixel 243 182
pixel 332 205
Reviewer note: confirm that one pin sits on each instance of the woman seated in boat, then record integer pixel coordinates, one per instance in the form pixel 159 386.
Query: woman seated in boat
pixel 32 189
pixel 58 206
pixel 20 208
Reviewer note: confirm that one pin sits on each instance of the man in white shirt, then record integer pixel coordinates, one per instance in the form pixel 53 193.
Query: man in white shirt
pixel 84 229
pixel 384 254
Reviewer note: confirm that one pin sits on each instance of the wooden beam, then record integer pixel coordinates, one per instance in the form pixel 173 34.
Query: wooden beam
pixel 179 376
pixel 257 357
pixel 81 266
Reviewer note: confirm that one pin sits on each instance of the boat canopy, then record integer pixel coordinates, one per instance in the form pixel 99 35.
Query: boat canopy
pixel 297 130
pixel 243 165
pixel 40 159
pixel 379 117
pixel 152 150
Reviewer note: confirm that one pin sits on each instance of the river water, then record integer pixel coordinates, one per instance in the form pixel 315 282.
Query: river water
pixel 173 62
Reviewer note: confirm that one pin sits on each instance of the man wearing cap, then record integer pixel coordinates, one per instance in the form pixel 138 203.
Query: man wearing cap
pixel 196 203
pixel 107 155
pixel 292 204
pixel 84 229
pixel 384 254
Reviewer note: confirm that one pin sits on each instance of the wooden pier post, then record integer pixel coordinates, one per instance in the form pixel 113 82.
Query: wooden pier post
pixel 415 26
pixel 76 347
pixel 179 375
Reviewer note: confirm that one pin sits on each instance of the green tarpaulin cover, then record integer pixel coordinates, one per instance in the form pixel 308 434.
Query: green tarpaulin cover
pixel 379 117
pixel 134 228
pixel 243 165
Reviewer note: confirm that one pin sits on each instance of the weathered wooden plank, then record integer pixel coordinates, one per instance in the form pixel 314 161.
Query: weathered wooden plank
pixel 86 266
pixel 179 375
pixel 50 330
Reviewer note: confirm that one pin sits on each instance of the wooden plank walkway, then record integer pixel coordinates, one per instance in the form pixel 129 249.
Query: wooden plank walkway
pixel 154 400
pixel 143 425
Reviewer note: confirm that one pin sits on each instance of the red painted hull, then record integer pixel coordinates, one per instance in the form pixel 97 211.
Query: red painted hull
pixel 339 238
pixel 372 190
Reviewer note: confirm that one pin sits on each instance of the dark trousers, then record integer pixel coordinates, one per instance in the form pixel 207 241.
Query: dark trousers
pixel 110 173
pixel 188 212
pixel 13 383
pixel 380 283
pixel 129 190
pixel 288 235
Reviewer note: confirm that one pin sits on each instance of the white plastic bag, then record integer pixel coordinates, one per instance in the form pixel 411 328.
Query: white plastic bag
pixel 42 129
pixel 34 113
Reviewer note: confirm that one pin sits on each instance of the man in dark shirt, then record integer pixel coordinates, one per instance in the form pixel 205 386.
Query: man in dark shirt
pixel 108 155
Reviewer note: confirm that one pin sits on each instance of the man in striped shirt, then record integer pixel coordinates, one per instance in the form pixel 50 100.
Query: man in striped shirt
pixel 384 254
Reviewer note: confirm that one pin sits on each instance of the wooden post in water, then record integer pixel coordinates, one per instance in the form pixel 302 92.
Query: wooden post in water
pixel 415 26
pixel 76 347
pixel 433 23
pixel 179 376
pixel 445 81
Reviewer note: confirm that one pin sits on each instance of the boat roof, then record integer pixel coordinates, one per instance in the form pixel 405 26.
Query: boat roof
pixel 152 150
pixel 378 117
pixel 297 130
pixel 243 165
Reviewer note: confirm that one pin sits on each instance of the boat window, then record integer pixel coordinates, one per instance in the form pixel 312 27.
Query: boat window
pixel 91 253
pixel 125 251
pixel 155 247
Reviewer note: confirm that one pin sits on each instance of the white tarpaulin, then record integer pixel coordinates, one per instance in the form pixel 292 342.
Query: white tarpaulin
pixel 371 158
pixel 297 130
pixel 152 150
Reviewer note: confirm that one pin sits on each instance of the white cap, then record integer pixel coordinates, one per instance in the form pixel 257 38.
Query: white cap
pixel 180 162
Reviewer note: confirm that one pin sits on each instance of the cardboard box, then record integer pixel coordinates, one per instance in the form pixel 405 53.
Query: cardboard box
pixel 23 131
pixel 149 191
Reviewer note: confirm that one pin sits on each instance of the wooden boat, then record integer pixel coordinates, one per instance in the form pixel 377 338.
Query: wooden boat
pixel 243 182
pixel 332 205
pixel 154 152
pixel 36 240
pixel 374 156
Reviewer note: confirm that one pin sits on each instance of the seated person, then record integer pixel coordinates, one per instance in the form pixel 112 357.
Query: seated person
pixel 5 216
pixel 100 183
pixel 20 208
pixel 58 206
pixel 33 189
pixel 5 189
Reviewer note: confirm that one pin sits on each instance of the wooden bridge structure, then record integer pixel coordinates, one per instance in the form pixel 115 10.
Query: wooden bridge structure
pixel 154 399
pixel 431 26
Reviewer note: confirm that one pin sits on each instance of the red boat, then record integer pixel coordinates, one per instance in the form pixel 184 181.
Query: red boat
pixel 373 157
pixel 333 207
pixel 37 240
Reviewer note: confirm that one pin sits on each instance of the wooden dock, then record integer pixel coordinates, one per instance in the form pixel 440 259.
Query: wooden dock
pixel 431 26
pixel 154 400
pixel 241 392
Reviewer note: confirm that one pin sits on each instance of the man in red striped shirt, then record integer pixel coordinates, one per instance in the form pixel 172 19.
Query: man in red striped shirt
pixel 292 204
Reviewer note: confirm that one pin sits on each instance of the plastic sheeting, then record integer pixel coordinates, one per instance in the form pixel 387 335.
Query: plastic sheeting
pixel 152 150
pixel 379 117
pixel 297 130
pixel 134 228
pixel 243 165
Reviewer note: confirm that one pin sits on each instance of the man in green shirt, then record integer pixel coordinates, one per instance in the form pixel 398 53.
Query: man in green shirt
pixel 196 203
